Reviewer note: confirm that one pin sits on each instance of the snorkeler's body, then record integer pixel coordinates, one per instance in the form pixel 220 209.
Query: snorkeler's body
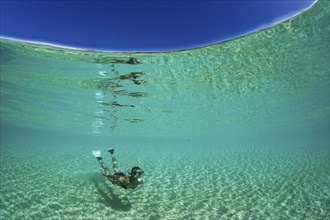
pixel 130 181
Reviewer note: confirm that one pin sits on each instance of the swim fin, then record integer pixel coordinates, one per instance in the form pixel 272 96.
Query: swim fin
pixel 97 154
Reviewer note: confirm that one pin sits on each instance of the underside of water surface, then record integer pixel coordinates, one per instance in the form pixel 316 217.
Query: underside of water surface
pixel 235 130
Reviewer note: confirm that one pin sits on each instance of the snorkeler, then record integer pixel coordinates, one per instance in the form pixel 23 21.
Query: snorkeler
pixel 130 181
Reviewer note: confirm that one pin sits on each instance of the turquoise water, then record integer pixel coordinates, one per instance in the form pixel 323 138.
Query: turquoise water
pixel 236 130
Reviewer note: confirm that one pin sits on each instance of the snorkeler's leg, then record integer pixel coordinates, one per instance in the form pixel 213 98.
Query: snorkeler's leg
pixel 114 160
pixel 106 172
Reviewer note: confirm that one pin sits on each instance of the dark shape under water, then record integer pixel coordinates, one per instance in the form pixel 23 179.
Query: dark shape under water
pixel 131 60
pixel 115 104
pixel 109 198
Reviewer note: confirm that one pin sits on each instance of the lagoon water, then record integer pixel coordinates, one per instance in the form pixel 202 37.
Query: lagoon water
pixel 235 130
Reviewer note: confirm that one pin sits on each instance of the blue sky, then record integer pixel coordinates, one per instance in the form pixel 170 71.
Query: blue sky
pixel 140 25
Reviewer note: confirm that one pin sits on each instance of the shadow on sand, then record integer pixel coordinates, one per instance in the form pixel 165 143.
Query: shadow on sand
pixel 109 198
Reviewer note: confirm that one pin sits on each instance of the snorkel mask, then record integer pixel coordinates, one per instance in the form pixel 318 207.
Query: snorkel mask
pixel 137 173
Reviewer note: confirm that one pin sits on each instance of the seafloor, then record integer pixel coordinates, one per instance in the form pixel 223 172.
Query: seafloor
pixel 183 179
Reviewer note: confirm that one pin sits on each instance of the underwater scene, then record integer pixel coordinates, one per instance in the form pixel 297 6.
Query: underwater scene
pixel 234 130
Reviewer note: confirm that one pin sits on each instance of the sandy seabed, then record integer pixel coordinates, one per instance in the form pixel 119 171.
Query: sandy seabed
pixel 245 182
